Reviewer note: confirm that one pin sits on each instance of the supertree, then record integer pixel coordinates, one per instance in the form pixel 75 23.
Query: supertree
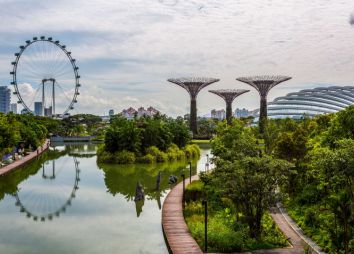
pixel 229 95
pixel 193 87
pixel 263 84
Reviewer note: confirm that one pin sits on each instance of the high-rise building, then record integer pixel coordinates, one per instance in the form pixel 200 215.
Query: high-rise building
pixel 111 112
pixel 218 114
pixel 242 113
pixel 5 99
pixel 13 108
pixel 48 111
pixel 38 108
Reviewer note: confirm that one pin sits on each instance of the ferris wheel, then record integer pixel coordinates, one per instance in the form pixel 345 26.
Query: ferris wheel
pixel 45 77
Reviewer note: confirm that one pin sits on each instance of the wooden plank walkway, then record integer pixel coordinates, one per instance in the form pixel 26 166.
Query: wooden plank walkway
pixel 180 240
pixel 175 228
pixel 19 163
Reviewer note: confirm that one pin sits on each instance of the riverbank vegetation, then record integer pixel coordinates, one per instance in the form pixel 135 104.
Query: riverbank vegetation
pixel 307 164
pixel 147 140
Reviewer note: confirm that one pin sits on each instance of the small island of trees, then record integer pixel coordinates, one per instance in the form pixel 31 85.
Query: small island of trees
pixel 147 140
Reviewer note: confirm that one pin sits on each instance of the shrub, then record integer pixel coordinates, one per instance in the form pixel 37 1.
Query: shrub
pixel 194 191
pixel 124 157
pixel 161 157
pixel 192 151
pixel 171 156
pixel 153 150
pixel 147 159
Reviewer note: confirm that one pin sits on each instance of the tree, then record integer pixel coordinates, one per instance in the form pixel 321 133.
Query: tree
pixel 334 170
pixel 122 135
pixel 250 183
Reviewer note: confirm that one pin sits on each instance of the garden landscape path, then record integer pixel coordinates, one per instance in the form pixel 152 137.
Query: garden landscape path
pixel 180 240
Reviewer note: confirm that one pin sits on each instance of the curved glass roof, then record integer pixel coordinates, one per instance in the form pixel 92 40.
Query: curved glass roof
pixel 311 102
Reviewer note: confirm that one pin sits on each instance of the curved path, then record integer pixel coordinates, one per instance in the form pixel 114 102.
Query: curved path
pixel 175 228
pixel 180 240
pixel 24 160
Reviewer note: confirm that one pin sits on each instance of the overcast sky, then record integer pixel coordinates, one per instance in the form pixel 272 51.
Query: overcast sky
pixel 126 49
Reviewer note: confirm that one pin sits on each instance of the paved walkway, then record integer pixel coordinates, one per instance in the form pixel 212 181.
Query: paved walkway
pixel 180 240
pixel 24 160
pixel 175 228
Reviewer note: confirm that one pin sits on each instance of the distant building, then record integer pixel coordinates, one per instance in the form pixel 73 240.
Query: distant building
pixel 48 111
pixel 13 108
pixel 218 114
pixel 111 112
pixel 242 113
pixel 5 99
pixel 38 108
pixel 130 112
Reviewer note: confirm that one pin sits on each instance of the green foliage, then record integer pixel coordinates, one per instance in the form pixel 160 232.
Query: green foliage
pixel 194 191
pixel 25 128
pixel 234 141
pixel 226 235
pixel 162 139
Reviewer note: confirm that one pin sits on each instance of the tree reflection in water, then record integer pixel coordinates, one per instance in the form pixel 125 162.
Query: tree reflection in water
pixel 122 179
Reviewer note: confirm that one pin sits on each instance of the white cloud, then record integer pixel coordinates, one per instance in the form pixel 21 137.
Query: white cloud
pixel 130 48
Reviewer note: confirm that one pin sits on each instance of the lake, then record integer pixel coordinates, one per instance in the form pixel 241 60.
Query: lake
pixel 64 202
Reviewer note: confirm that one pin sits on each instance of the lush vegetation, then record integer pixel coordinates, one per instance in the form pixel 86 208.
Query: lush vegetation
pixel 227 231
pixel 20 128
pixel 33 130
pixel 318 190
pixel 306 163
pixel 147 140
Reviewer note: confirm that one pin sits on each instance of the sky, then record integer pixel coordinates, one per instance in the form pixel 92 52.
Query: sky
pixel 127 49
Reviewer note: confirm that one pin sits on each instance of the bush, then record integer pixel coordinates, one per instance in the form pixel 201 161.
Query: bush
pixel 152 150
pixel 161 157
pixel 124 157
pixel 192 151
pixel 147 159
pixel 194 191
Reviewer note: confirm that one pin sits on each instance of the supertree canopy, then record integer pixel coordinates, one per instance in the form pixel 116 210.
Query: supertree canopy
pixel 193 86
pixel 263 84
pixel 229 95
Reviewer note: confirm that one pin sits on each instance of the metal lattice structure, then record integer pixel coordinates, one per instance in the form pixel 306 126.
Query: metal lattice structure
pixel 311 102
pixel 193 86
pixel 46 65
pixel 229 96
pixel 263 84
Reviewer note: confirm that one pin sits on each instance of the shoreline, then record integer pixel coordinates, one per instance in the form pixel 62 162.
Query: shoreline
pixel 20 163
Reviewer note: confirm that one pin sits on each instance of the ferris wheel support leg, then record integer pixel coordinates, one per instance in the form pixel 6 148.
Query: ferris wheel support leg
pixel 42 97
pixel 53 113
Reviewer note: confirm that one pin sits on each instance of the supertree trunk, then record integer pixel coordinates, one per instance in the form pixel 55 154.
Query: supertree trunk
pixel 263 114
pixel 229 112
pixel 229 95
pixel 193 117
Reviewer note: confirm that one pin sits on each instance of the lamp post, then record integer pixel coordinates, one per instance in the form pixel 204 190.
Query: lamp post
pixel 190 172
pixel 205 203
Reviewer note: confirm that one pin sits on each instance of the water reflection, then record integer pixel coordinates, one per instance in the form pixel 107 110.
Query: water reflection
pixel 51 195
pixel 153 178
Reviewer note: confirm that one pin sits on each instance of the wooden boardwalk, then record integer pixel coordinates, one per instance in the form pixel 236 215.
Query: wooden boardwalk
pixel 175 228
pixel 180 240
pixel 24 160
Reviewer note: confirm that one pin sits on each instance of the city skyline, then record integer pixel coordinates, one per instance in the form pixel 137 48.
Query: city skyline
pixel 127 49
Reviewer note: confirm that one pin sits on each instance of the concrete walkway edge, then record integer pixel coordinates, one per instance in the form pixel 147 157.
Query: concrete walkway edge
pixel 317 249
pixel 20 163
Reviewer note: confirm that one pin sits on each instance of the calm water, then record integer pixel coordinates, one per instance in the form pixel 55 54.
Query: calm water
pixel 65 203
